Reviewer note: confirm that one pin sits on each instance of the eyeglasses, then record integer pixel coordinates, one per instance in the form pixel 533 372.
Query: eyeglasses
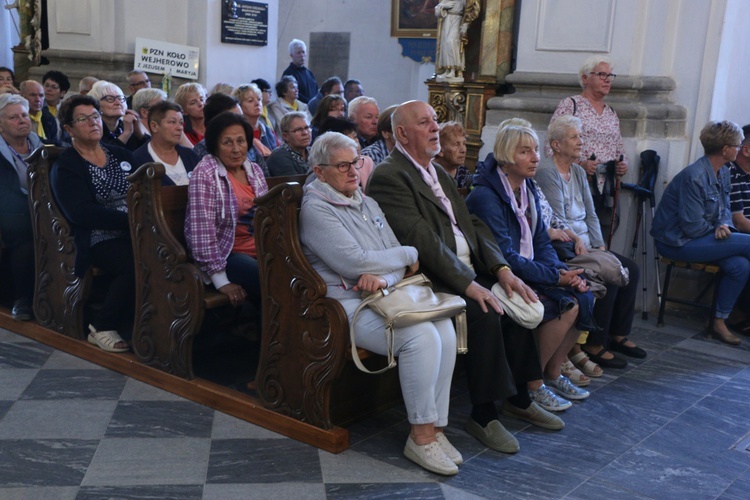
pixel 140 84
pixel 605 77
pixel 92 118
pixel 113 98
pixel 300 130
pixel 267 91
pixel 51 86
pixel 345 166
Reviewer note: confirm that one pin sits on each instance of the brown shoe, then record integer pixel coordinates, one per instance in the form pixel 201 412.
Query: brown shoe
pixel 726 337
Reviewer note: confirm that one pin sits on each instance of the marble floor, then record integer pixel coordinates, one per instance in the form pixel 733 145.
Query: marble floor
pixel 675 425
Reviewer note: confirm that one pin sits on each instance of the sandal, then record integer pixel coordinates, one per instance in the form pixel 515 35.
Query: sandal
pixel 574 374
pixel 588 367
pixel 106 340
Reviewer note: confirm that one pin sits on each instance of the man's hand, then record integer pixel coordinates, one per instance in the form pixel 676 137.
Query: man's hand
pixel 483 297
pixel 722 232
pixel 512 283
pixel 558 234
pixel 590 166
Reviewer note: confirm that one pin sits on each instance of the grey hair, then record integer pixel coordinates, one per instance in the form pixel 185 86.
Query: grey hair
pixel 591 63
pixel 10 99
pixel 287 119
pixel 102 87
pixel 326 145
pixel 144 97
pixel 135 72
pixel 360 101
pixel 296 43
pixel 560 125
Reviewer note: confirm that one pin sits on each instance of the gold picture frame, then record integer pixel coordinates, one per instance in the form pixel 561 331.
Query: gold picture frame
pixel 413 18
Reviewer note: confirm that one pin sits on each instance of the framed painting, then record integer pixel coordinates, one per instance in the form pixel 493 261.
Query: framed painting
pixel 413 18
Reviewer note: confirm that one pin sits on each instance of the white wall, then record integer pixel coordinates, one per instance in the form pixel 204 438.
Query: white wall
pixel 113 26
pixel 375 57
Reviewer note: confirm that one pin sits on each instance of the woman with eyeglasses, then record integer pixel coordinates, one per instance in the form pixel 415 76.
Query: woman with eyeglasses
pixel 89 184
pixel 602 140
pixel 291 157
pixel 219 220
pixel 120 124
pixel 693 221
pixel 365 258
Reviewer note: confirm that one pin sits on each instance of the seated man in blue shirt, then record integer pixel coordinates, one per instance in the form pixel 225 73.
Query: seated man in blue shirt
pixel 740 197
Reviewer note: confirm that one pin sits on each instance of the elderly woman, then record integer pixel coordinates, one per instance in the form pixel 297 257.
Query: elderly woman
pixel 120 125
pixel 264 139
pixel 600 129
pixel 17 142
pixel 219 219
pixel 452 153
pixel 88 181
pixel 192 97
pixel 166 126
pixel 291 157
pixel 331 105
pixel 349 129
pixel 366 258
pixel 694 222
pixel 381 148
pixel 564 184
pixel 287 91
pixel 506 199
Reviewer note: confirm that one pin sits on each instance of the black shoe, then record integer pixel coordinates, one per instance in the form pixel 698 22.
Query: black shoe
pixel 22 310
pixel 633 352
pixel 615 362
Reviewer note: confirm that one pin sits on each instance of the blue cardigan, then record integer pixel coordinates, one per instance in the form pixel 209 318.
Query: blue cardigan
pixel 187 155
pixel 490 203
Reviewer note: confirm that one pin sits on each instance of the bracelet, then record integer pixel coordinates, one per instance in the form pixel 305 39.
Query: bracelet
pixel 502 268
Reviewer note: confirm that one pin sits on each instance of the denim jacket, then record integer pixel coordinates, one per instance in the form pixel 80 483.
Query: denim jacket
pixel 694 204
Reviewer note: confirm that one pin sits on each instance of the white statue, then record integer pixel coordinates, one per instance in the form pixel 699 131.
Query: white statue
pixel 454 18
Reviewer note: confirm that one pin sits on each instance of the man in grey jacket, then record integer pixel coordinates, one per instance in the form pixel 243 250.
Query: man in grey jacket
pixel 458 253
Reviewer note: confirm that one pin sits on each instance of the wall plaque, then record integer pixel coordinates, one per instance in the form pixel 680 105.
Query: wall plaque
pixel 244 22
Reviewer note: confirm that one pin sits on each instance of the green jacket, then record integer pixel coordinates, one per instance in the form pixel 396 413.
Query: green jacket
pixel 417 218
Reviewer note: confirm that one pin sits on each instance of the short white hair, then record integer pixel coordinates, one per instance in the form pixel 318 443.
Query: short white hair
pixel 103 87
pixel 360 101
pixel 144 97
pixel 296 43
pixel 591 63
pixel 9 99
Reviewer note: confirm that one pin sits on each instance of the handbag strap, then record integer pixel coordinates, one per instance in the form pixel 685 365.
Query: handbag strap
pixel 389 337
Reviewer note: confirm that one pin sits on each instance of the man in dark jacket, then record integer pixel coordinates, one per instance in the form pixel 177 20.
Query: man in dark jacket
pixel 308 87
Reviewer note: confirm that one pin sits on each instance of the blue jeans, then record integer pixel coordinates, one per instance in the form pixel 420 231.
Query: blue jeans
pixel 732 255
pixel 243 270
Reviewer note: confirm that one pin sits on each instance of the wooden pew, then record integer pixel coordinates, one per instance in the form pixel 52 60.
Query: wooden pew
pixel 171 299
pixel 305 369
pixel 59 295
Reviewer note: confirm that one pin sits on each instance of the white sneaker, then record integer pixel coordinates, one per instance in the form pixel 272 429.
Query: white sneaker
pixel 549 400
pixel 449 449
pixel 431 457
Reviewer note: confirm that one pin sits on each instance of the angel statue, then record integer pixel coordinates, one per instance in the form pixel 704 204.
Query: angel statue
pixel 454 18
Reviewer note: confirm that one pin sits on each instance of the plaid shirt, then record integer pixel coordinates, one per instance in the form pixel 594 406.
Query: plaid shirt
pixel 212 215
pixel 377 151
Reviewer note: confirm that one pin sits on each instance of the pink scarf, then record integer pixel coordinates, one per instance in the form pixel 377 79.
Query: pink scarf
pixel 527 245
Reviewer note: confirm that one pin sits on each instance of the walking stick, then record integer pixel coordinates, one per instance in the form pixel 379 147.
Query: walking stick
pixel 614 208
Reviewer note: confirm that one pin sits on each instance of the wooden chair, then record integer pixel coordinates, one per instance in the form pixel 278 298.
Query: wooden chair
pixel 59 295
pixel 694 266
pixel 171 298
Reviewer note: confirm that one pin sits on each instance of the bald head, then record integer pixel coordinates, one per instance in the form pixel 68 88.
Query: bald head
pixel 415 127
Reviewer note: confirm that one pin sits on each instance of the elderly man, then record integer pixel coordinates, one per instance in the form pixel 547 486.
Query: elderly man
pixel 740 197
pixel 458 253
pixel 17 142
pixel 84 86
pixel 331 86
pixel 137 80
pixel 43 124
pixel 308 87
pixel 291 157
pixel 353 89
pixel 363 111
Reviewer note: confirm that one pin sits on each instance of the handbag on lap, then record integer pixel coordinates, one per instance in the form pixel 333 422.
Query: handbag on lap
pixel 408 302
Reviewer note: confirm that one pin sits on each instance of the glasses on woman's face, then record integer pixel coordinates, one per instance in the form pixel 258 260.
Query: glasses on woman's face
pixel 113 98
pixel 92 118
pixel 605 77
pixel 300 130
pixel 345 166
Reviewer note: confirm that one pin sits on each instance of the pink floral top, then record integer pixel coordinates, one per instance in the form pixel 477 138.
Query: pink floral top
pixel 601 132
